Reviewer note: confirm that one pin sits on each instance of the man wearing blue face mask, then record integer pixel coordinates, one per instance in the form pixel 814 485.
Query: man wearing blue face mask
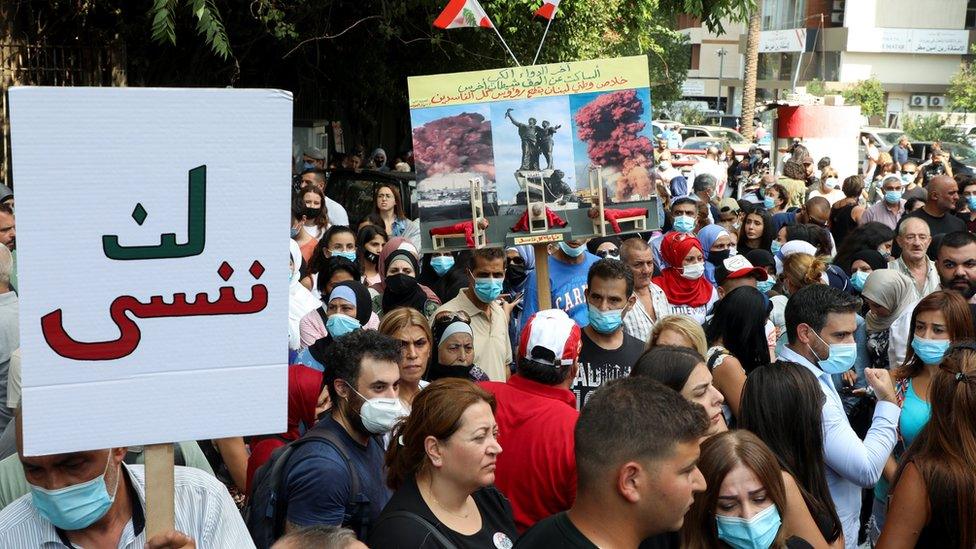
pixel 93 499
pixel 820 325
pixel 607 352
pixel 569 263
pixel 489 315
pixel 890 208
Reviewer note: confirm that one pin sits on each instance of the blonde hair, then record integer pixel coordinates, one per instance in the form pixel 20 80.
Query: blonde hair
pixel 684 325
pixel 802 270
pixel 400 318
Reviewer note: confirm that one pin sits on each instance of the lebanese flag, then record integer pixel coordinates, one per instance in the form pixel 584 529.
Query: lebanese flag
pixel 463 13
pixel 548 9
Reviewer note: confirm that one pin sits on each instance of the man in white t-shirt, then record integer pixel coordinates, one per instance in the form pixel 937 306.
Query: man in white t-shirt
pixel 316 178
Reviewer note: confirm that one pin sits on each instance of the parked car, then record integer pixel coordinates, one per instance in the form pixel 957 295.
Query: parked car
pixel 739 144
pixel 962 158
pixel 730 121
pixel 885 137
pixel 967 132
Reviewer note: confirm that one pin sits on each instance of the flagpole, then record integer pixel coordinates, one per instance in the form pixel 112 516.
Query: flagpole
pixel 538 51
pixel 504 43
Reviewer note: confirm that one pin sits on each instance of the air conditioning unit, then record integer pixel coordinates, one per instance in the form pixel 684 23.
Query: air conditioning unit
pixel 837 17
pixel 937 101
pixel 919 101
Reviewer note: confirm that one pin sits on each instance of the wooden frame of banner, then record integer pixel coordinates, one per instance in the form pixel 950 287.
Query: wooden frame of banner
pixel 160 504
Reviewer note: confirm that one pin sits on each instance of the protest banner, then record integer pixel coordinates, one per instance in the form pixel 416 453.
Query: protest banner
pixel 151 259
pixel 533 155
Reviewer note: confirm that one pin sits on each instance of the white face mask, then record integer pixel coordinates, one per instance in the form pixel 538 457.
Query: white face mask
pixel 693 271
pixel 379 415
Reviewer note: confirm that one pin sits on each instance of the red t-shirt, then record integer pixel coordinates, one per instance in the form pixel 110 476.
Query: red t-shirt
pixel 537 468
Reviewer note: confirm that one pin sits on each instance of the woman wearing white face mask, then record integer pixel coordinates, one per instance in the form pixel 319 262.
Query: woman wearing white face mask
pixel 688 291
pixel 744 501
pixel 442 466
pixel 829 187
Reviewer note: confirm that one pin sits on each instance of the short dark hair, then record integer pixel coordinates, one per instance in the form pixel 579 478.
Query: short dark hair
pixel 704 182
pixel 334 230
pixel 5 208
pixel 611 269
pixel 347 353
pixel 546 374
pixel 320 537
pixel 486 254
pixel 811 305
pixel 318 172
pixel 605 432
pixel 297 207
pixel 956 240
pixel 683 200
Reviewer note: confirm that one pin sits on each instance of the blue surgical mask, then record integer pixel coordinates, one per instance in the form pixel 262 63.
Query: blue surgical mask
pixel 308 166
pixel 78 506
pixel 907 177
pixel 769 203
pixel 971 200
pixel 757 532
pixel 840 359
pixel 684 224
pixel 294 232
pixel 929 351
pixel 571 251
pixel 858 279
pixel 442 264
pixel 775 247
pixel 339 325
pixel 488 289
pixel 765 285
pixel 892 197
pixel 605 322
pixel 351 256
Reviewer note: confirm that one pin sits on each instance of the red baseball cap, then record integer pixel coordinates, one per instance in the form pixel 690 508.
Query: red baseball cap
pixel 550 337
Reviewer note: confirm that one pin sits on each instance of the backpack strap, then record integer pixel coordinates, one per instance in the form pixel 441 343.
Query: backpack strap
pixel 321 312
pixel 355 504
pixel 423 523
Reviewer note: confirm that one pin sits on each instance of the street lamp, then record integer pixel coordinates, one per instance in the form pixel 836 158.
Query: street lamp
pixel 721 53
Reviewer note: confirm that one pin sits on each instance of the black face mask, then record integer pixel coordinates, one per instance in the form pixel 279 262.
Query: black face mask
pixel 716 258
pixel 401 284
pixel 438 371
pixel 370 257
pixel 516 274
pixel 312 213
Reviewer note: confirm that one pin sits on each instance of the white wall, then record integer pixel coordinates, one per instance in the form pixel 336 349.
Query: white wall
pixel 899 68
pixel 919 14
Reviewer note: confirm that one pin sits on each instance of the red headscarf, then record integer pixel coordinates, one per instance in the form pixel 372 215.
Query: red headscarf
pixel 304 387
pixel 678 289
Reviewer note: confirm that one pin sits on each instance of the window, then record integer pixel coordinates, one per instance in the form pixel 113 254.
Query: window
pixel 971 14
pixel 695 56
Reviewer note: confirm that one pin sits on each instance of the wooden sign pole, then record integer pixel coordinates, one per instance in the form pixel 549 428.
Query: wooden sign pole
pixel 542 275
pixel 160 507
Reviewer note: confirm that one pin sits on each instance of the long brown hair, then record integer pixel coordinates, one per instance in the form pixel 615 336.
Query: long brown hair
pixel 322 221
pixel 436 411
pixel 959 325
pixel 719 455
pixel 945 451
pixel 397 202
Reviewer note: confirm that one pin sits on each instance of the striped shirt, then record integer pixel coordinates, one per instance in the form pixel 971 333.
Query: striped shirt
pixel 204 511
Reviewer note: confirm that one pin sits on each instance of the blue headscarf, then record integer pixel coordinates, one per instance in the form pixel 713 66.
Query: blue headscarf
pixel 527 253
pixel 707 236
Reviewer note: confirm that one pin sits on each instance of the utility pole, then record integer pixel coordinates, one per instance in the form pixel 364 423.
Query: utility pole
pixel 721 53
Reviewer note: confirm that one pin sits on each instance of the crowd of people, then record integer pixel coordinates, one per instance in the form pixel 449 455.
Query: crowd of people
pixel 789 361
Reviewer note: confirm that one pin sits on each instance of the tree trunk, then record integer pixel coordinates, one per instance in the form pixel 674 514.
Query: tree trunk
pixel 752 68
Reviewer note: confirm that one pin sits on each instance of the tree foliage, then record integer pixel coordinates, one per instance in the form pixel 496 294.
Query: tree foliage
pixel 868 94
pixel 931 127
pixel 209 24
pixel 962 87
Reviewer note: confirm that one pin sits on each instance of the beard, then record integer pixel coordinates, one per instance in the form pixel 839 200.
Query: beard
pixel 962 285
pixel 352 416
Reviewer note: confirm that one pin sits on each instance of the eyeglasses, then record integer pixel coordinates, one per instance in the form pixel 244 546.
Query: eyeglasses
pixel 516 260
pixel 604 253
pixel 452 316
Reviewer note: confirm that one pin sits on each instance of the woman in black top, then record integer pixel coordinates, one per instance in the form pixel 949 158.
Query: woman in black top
pixel 441 463
pixel 782 404
pixel 846 211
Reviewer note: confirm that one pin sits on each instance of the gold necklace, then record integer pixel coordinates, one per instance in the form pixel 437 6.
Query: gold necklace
pixel 430 489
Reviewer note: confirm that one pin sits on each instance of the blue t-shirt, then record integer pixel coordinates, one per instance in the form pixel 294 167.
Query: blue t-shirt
pixel 566 284
pixel 318 484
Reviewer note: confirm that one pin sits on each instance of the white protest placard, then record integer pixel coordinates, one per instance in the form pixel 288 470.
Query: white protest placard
pixel 152 263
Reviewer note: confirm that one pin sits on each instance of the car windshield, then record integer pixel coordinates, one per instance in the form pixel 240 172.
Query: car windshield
pixel 702 145
pixel 731 135
pixel 962 153
pixel 890 138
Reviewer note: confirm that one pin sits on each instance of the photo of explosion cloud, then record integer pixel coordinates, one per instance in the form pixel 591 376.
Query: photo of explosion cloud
pixel 613 130
pixel 452 145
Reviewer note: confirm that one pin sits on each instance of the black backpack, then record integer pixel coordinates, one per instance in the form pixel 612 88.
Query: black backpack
pixel 267 506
